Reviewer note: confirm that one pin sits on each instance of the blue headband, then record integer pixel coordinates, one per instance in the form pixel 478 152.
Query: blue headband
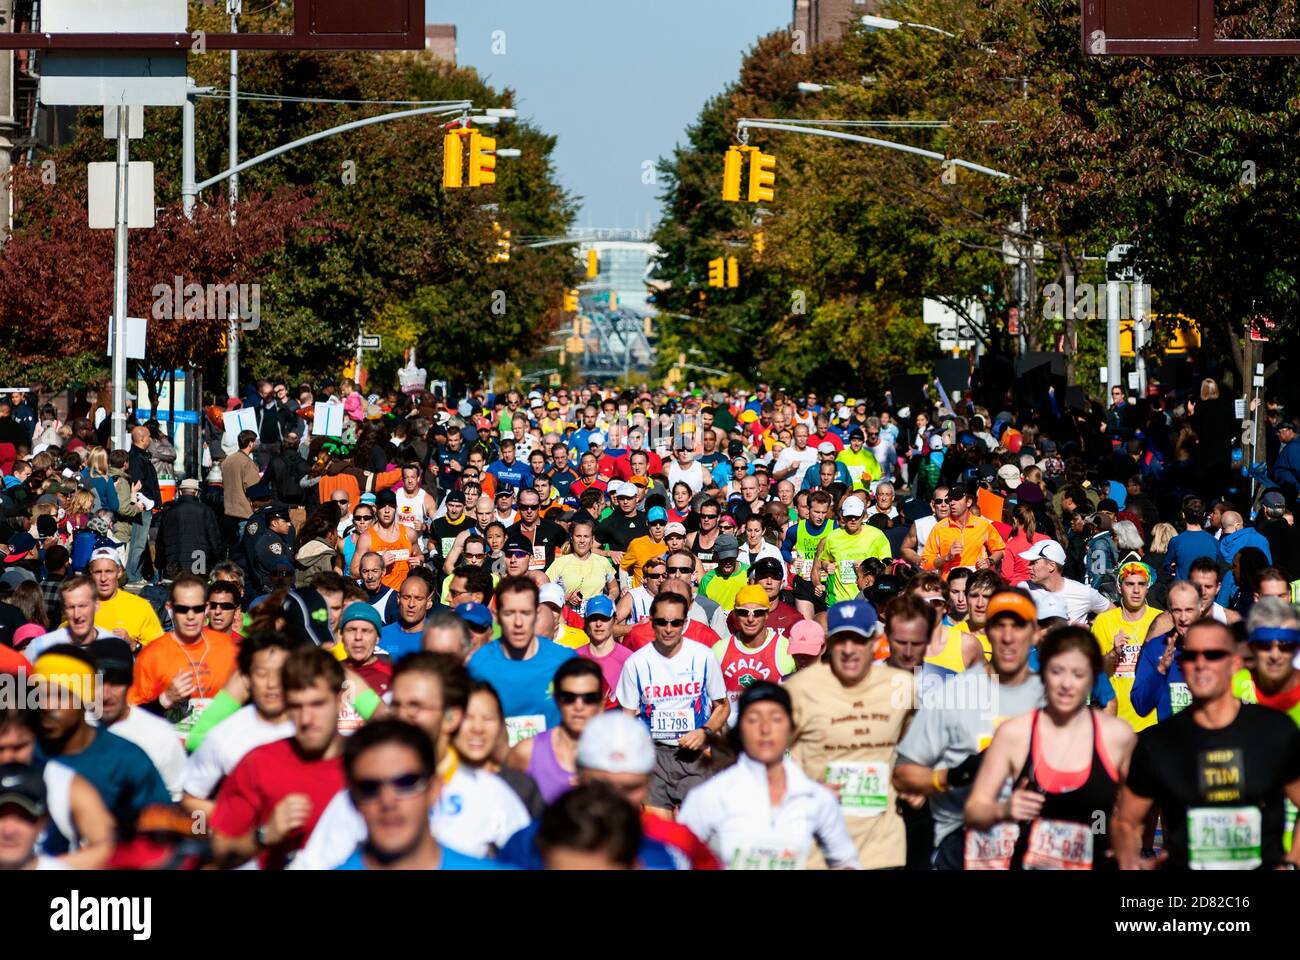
pixel 1288 636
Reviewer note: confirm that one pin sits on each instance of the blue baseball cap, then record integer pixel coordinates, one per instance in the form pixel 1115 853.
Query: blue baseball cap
pixel 656 514
pixel 600 606
pixel 356 610
pixel 475 614
pixel 852 616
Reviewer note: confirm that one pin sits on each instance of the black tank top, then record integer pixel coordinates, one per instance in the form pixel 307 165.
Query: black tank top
pixel 1090 805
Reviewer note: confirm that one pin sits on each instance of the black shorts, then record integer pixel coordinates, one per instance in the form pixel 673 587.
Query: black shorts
pixel 804 590
pixel 676 771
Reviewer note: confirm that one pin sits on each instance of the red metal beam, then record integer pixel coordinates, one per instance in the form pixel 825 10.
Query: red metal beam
pixel 1167 28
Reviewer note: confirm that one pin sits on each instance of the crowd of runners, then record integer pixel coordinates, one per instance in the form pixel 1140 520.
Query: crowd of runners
pixel 641 629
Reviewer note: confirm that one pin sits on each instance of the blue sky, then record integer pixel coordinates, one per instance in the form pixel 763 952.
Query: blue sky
pixel 617 81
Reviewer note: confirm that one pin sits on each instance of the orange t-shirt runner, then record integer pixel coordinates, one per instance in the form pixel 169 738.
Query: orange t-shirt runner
pixel 158 663
pixel 395 575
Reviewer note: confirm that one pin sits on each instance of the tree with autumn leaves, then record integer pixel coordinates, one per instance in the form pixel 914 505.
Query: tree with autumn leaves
pixel 1185 158
pixel 353 230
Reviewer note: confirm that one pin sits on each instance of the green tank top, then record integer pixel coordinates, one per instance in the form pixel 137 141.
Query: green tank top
pixel 805 547
pixel 849 550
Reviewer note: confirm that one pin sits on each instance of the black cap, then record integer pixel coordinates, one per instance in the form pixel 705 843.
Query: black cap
pixel 958 491
pixel 735 448
pixel 46 526
pixel 113 659
pixel 23 785
pixel 764 692
pixel 517 541
pixel 1107 505
pixel 857 434
pixel 766 568
pixel 385 498
pixel 1287 425
pixel 279 511
pixel 455 496
pixel 505 490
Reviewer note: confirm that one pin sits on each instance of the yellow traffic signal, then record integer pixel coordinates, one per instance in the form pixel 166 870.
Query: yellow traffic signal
pixel 1126 348
pixel 1185 336
pixel 593 264
pixel 482 159
pixel 731 169
pixel 502 254
pixel 453 161
pixel 762 177
pixel 717 272
pixel 571 301
pixel 733 272
pixel 760 245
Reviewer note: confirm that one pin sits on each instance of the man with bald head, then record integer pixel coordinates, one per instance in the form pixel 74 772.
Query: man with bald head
pixel 1236 536
pixel 140 470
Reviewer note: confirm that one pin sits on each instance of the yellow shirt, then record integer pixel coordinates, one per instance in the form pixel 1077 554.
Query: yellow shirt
pixel 572 637
pixel 1110 628
pixel 979 538
pixel 126 611
pixel 638 552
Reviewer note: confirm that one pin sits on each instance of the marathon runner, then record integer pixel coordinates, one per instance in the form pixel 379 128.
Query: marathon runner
pixel 1218 770
pixel 843 549
pixel 1121 632
pixel 550 757
pixel 754 652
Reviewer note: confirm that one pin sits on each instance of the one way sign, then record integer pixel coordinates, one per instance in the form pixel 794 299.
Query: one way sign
pixel 366 342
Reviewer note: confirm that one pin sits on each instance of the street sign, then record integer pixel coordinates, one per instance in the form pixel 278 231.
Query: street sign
pixel 366 342
pixel 103 195
pixel 137 330
pixel 1169 28
pixel 111 74
pixel 318 25
pixel 134 123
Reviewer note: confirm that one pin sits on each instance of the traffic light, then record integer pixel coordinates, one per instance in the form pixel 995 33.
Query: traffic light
pixel 593 264
pixel 731 169
pixel 482 159
pixel 760 245
pixel 502 254
pixel 1126 349
pixel 570 301
pixel 762 177
pixel 453 161
pixel 717 272
pixel 733 272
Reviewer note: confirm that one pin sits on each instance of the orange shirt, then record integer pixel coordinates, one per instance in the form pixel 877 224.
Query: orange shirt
pixel 158 663
pixel 979 538
pixel 395 575
pixel 341 481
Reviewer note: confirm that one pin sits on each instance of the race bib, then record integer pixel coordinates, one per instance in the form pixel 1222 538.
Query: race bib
pixel 670 725
pixel 1126 665
pixel 185 724
pixel 856 471
pixel 349 721
pixel 765 858
pixel 538 562
pixel 803 569
pixel 1224 838
pixel 398 556
pixel 707 565
pixel 848 571
pixel 1059 845
pixel 524 727
pixel 447 543
pixel 991 849
pixel 864 787
pixel 1180 697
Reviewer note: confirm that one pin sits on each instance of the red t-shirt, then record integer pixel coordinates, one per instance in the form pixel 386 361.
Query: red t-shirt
pixel 814 441
pixel 644 633
pixel 11 661
pixel 579 487
pixel 616 468
pixel 680 838
pixel 378 674
pixel 261 780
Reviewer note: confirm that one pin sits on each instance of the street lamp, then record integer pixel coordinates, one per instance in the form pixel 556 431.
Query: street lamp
pixel 509 153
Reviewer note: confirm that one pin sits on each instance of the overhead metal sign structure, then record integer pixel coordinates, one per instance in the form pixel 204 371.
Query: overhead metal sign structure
pixel 1169 28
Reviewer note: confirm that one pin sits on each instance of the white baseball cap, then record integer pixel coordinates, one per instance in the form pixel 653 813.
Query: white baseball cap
pixel 551 593
pixel 844 413
pixel 825 447
pixel 676 528
pixel 1046 550
pixel 936 442
pixel 838 398
pixel 596 437
pixel 853 507
pixel 616 743
pixel 105 553
pixel 625 489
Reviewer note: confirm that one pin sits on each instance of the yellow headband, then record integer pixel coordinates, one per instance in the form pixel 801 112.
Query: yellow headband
pixel 71 673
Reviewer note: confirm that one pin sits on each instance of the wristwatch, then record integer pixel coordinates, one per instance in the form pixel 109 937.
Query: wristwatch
pixel 262 836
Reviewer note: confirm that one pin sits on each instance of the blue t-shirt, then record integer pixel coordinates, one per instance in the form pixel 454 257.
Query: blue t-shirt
pixel 1188 547
pixel 1153 690
pixel 397 643
pixel 451 860
pixel 518 474
pixel 123 774
pixel 521 851
pixel 524 686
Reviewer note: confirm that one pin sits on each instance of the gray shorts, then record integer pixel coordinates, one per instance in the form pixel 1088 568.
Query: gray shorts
pixel 675 772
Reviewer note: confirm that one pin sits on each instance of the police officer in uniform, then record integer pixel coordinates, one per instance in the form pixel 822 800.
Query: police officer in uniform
pixel 269 541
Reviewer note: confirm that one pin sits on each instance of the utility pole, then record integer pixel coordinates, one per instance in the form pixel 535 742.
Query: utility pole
pixel 234 8
pixel 1114 270
pixel 119 278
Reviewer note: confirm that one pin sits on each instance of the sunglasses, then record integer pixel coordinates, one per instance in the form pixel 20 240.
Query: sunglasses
pixel 474 556
pixel 653 576
pixel 341 500
pixel 941 500
pixel 528 506
pixel 681 570
pixel 1265 646
pixel 363 517
pixel 183 608
pixel 516 554
pixel 751 614
pixel 404 785
pixel 1212 656
pixel 568 698
pixel 665 622
pixel 708 516
pixel 218 605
